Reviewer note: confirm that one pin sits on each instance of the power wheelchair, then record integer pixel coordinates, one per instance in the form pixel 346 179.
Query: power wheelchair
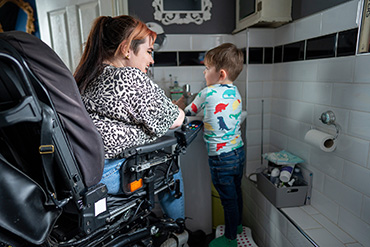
pixel 51 162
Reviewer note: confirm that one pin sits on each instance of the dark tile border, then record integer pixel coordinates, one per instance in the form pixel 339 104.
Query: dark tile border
pixel 332 45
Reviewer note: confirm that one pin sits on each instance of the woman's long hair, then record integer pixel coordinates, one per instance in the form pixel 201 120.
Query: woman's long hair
pixel 106 37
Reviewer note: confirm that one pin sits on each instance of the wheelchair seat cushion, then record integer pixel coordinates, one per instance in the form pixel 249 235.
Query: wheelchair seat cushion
pixel 82 134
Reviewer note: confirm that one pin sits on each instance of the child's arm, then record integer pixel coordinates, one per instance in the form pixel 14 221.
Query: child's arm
pixel 197 105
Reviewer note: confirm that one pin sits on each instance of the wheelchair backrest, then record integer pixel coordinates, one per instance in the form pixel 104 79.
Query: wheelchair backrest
pixel 54 85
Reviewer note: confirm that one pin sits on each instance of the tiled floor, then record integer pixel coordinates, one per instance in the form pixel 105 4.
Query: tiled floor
pixel 319 228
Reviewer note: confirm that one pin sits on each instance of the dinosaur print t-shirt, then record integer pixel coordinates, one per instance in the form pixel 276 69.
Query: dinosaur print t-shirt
pixel 222 108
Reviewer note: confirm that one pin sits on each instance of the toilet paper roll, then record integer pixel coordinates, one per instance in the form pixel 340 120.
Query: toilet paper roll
pixel 320 139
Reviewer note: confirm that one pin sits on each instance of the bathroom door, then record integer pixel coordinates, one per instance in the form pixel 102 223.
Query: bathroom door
pixel 65 25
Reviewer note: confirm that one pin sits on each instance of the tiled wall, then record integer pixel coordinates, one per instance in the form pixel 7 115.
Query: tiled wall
pixel 295 94
pixel 193 74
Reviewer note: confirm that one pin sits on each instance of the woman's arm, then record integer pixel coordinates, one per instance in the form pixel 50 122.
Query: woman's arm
pixel 180 119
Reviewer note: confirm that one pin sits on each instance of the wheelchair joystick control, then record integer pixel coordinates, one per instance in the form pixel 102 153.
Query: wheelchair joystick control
pixel 188 132
pixel 184 127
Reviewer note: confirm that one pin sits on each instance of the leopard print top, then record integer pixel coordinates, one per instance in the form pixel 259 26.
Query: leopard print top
pixel 128 109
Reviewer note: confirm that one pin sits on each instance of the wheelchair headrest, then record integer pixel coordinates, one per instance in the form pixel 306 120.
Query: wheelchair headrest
pixel 49 69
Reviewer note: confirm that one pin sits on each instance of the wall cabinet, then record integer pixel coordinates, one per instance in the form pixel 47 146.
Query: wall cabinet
pixel 262 13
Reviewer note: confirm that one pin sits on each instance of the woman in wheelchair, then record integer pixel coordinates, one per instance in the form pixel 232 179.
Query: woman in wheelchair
pixel 52 150
pixel 126 106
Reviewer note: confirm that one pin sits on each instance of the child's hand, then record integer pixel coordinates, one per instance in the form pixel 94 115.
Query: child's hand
pixel 181 103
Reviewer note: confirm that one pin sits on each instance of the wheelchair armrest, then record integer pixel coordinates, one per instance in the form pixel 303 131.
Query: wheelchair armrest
pixel 160 143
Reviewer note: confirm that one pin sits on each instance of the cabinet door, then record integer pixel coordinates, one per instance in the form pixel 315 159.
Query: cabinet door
pixel 65 25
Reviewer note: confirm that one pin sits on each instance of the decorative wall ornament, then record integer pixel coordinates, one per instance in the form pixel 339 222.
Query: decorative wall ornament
pixel 182 16
pixel 26 7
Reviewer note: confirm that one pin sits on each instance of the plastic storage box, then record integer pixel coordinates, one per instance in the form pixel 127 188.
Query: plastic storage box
pixel 282 197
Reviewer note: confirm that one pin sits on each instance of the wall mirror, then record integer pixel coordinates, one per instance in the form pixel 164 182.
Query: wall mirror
pixel 364 37
pixel 182 11
pixel 26 7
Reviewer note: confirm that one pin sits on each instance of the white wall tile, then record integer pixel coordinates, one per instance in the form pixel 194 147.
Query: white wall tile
pixel 280 107
pixel 255 90
pixel 275 122
pixel 260 37
pixel 254 153
pixel 350 96
pixel 282 241
pixel 205 42
pixel 259 72
pixel 325 205
pixel 300 217
pixel 319 93
pixel 254 122
pixel 336 70
pixel 362 74
pixel 277 219
pixel 324 238
pixel 327 163
pixel 343 195
pixel 302 111
pixel 291 90
pixel 357 177
pixel 196 73
pixel 269 228
pixel 352 149
pixel 308 27
pixel 255 106
pixel 318 179
pixel 346 13
pixel 309 209
pixel 268 89
pixel 296 71
pixel 279 140
pixel 359 124
pixel 365 214
pixel 284 34
pixel 254 137
pixel 354 245
pixel 241 39
pixel 333 229
pixel 297 238
pixel 289 127
pixel 357 228
pixel 176 42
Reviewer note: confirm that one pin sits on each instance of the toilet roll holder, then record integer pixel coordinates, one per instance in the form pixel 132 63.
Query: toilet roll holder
pixel 328 118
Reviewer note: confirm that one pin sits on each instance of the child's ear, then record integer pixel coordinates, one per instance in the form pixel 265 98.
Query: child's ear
pixel 223 75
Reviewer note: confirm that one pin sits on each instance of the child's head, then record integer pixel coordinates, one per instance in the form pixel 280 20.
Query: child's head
pixel 226 60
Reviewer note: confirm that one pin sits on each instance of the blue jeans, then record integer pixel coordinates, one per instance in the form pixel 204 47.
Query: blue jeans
pixel 172 207
pixel 227 173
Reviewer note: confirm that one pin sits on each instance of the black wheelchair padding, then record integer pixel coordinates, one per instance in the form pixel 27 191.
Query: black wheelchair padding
pixel 55 86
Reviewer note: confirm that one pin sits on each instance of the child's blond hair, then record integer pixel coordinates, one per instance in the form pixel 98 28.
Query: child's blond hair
pixel 228 57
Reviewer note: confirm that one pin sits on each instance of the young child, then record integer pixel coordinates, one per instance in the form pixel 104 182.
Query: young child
pixel 221 103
